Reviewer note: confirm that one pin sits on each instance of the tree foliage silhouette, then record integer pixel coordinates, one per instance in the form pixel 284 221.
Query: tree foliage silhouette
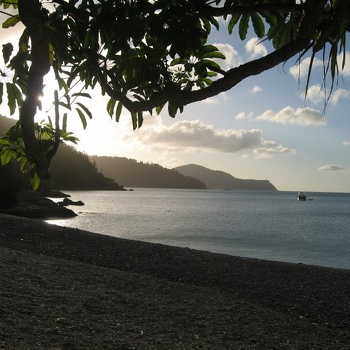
pixel 145 54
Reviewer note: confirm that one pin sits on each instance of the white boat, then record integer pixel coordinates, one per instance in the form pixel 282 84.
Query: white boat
pixel 301 196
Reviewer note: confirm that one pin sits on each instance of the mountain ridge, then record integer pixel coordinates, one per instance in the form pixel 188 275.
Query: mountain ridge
pixel 217 179
pixel 132 173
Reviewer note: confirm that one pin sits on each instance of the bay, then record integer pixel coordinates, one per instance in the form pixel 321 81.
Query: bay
pixel 256 224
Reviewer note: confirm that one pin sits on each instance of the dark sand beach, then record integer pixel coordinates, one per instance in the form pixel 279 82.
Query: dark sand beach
pixel 63 288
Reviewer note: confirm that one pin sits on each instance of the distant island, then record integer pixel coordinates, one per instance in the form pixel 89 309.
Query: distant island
pixel 132 173
pixel 215 179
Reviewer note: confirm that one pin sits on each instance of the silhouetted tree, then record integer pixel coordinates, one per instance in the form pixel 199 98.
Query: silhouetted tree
pixel 145 54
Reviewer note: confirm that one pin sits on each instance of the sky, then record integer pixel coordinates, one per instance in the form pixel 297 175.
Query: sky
pixel 264 128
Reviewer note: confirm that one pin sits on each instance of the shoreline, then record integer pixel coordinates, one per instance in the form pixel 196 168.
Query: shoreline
pixel 177 298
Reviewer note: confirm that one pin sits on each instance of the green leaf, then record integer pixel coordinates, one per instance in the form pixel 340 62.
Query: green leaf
pixel 159 109
pixel 210 51
pixel 82 118
pixel 206 81
pixel 85 109
pixel 134 120
pixel 269 18
pixel 62 83
pixel 233 21
pixel 88 40
pixel 11 98
pixel 81 94
pixel 212 65
pixel 309 73
pixel 118 111
pixel 280 35
pixel 3 141
pixel 343 49
pixel 176 61
pixel 258 25
pixel 207 49
pixel 243 27
pixel 23 43
pixel 1 91
pixel 11 22
pixel 7 51
pixel 34 180
pixel 8 3
pixel 64 122
pixel 172 108
pixel 110 106
pixel 214 22
pixel 50 121
pixel 140 119
pixel 285 35
pixel 72 139
pixel 22 164
pixel 6 156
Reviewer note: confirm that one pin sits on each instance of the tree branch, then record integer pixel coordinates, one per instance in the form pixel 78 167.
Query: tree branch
pixel 312 14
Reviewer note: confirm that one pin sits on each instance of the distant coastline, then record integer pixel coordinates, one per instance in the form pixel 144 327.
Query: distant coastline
pixel 132 173
pixel 216 179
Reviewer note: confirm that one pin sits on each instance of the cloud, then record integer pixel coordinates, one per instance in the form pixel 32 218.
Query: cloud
pixel 346 143
pixel 330 167
pixel 318 95
pixel 300 70
pixel 269 149
pixel 256 89
pixel 255 49
pixel 315 94
pixel 223 96
pixel 291 116
pixel 233 58
pixel 195 135
pixel 346 70
pixel 244 116
pixel 338 94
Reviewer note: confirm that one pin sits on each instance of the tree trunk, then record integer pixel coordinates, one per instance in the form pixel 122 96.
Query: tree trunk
pixel 33 18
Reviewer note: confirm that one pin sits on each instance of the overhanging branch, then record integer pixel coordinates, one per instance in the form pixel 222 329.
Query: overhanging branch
pixel 310 21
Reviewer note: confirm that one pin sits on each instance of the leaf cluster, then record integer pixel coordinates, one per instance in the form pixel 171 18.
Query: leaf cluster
pixel 128 49
pixel 144 53
pixel 12 147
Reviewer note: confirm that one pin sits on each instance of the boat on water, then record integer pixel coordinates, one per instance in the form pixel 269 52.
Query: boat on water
pixel 301 196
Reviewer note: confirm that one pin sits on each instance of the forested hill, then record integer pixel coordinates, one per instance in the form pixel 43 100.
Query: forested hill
pixel 132 173
pixel 70 170
pixel 215 179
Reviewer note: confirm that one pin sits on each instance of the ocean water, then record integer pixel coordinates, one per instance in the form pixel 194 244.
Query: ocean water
pixel 257 224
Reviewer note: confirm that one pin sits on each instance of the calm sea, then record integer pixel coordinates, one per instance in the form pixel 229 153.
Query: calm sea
pixel 258 224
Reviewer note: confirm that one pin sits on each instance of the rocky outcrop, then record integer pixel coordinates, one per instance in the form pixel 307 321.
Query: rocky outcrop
pixel 68 201
pixel 33 205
